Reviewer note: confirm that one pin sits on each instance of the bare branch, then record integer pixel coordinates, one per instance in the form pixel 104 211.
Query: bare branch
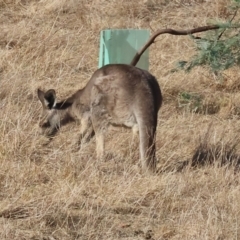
pixel 173 32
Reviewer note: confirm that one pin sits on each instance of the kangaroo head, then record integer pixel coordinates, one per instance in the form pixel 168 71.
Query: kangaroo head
pixel 50 118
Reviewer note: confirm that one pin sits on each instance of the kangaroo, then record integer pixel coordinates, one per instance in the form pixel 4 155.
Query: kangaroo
pixel 116 94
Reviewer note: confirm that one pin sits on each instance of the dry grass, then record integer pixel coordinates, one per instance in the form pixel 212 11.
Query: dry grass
pixel 50 191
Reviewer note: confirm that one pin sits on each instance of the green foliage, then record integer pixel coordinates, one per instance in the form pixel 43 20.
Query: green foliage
pixel 216 54
pixel 236 3
pixel 218 50
pixel 198 103
pixel 190 101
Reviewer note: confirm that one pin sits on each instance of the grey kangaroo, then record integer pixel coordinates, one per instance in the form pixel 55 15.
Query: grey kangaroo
pixel 116 94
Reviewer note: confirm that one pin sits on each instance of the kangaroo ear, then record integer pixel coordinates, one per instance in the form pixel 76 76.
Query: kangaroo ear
pixel 48 99
pixel 40 94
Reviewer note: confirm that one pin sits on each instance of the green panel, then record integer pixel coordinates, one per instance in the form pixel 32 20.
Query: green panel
pixel 120 46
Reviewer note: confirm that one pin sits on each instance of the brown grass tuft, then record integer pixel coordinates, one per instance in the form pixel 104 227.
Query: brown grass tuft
pixel 220 153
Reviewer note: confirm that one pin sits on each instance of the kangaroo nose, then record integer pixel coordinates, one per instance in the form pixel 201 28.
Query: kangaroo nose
pixel 44 124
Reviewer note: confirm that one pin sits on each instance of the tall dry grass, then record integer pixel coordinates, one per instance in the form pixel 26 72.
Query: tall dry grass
pixel 50 190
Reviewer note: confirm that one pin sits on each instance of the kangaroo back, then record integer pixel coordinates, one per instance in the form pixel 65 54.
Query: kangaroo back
pixel 128 96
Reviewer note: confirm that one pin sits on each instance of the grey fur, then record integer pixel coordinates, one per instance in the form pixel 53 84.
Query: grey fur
pixel 116 94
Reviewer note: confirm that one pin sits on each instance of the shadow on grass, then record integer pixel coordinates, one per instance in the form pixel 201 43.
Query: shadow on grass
pixel 221 153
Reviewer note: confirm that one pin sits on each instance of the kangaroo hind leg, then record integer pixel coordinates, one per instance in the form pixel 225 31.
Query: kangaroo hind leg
pixel 147 134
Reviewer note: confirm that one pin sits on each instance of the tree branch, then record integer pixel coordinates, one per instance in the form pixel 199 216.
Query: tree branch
pixel 234 15
pixel 173 32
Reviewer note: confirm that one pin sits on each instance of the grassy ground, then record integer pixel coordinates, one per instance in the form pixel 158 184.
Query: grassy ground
pixel 51 191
